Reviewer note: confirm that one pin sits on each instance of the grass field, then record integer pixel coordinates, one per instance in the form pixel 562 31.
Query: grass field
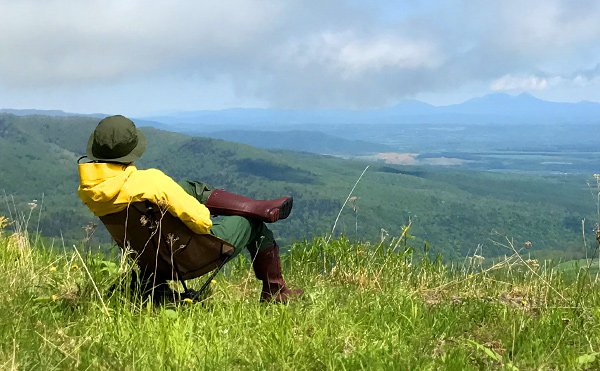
pixel 367 306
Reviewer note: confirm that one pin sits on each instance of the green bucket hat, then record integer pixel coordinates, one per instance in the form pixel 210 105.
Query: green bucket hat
pixel 116 139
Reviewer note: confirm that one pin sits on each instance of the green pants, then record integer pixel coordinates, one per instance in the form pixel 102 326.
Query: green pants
pixel 241 232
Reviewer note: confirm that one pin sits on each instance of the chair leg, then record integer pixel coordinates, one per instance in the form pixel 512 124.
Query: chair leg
pixel 197 294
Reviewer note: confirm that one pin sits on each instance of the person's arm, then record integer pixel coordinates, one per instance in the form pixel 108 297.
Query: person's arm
pixel 159 187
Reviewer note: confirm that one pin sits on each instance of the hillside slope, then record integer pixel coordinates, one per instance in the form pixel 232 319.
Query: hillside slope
pixel 299 140
pixel 455 211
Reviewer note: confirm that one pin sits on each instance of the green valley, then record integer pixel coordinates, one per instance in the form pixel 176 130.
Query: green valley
pixel 455 211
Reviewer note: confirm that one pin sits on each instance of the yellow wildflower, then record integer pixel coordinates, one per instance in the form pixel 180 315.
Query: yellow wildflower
pixel 75 266
pixel 188 300
pixel 4 222
pixel 52 269
pixel 470 276
pixel 213 281
pixel 54 297
pixel 524 302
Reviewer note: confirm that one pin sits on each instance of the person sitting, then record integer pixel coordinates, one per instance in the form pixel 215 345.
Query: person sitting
pixel 109 182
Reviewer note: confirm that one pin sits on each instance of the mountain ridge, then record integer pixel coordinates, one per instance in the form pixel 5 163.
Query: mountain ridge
pixel 491 108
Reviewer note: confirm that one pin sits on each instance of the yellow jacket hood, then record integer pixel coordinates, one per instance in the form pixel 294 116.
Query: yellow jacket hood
pixel 101 182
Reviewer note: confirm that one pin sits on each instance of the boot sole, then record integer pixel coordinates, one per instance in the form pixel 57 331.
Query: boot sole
pixel 280 212
pixel 286 208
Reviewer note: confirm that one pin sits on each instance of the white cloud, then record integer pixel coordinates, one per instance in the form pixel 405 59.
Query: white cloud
pixel 352 56
pixel 519 83
pixel 293 54
pixel 356 57
pixel 64 42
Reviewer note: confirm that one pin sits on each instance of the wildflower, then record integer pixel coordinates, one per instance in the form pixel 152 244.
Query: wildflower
pixel 532 263
pixel 52 269
pixel 524 302
pixel 54 297
pixel 213 281
pixel 362 269
pixel 470 276
pixel 144 220
pixel 188 300
pixel 171 238
pixel 75 266
pixel 90 228
pixel 354 202
pixel 4 222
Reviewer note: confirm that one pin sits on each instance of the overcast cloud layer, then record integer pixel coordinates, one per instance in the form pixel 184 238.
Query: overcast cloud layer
pixel 142 57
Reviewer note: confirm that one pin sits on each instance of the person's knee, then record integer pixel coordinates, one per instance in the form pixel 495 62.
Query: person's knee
pixel 260 237
pixel 244 232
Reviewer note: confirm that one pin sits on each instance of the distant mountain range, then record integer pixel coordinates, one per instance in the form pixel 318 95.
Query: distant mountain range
pixel 391 129
pixel 55 113
pixel 60 113
pixel 498 108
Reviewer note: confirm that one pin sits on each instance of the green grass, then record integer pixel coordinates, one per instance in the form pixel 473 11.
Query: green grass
pixel 367 306
pixel 572 269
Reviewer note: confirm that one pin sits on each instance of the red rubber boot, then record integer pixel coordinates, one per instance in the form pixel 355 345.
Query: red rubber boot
pixel 225 203
pixel 267 267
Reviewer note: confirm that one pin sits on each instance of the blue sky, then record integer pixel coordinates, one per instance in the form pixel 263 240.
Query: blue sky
pixel 147 57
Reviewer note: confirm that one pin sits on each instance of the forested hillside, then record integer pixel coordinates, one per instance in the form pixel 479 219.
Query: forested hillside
pixel 455 211
pixel 299 140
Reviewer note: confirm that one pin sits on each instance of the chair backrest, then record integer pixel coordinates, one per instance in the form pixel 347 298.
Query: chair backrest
pixel 163 245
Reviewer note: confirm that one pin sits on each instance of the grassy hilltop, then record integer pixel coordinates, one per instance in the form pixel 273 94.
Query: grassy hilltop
pixel 378 307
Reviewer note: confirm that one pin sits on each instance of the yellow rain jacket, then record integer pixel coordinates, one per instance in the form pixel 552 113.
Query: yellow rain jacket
pixel 109 188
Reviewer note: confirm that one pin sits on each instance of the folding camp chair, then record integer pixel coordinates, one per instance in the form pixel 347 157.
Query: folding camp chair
pixel 164 247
